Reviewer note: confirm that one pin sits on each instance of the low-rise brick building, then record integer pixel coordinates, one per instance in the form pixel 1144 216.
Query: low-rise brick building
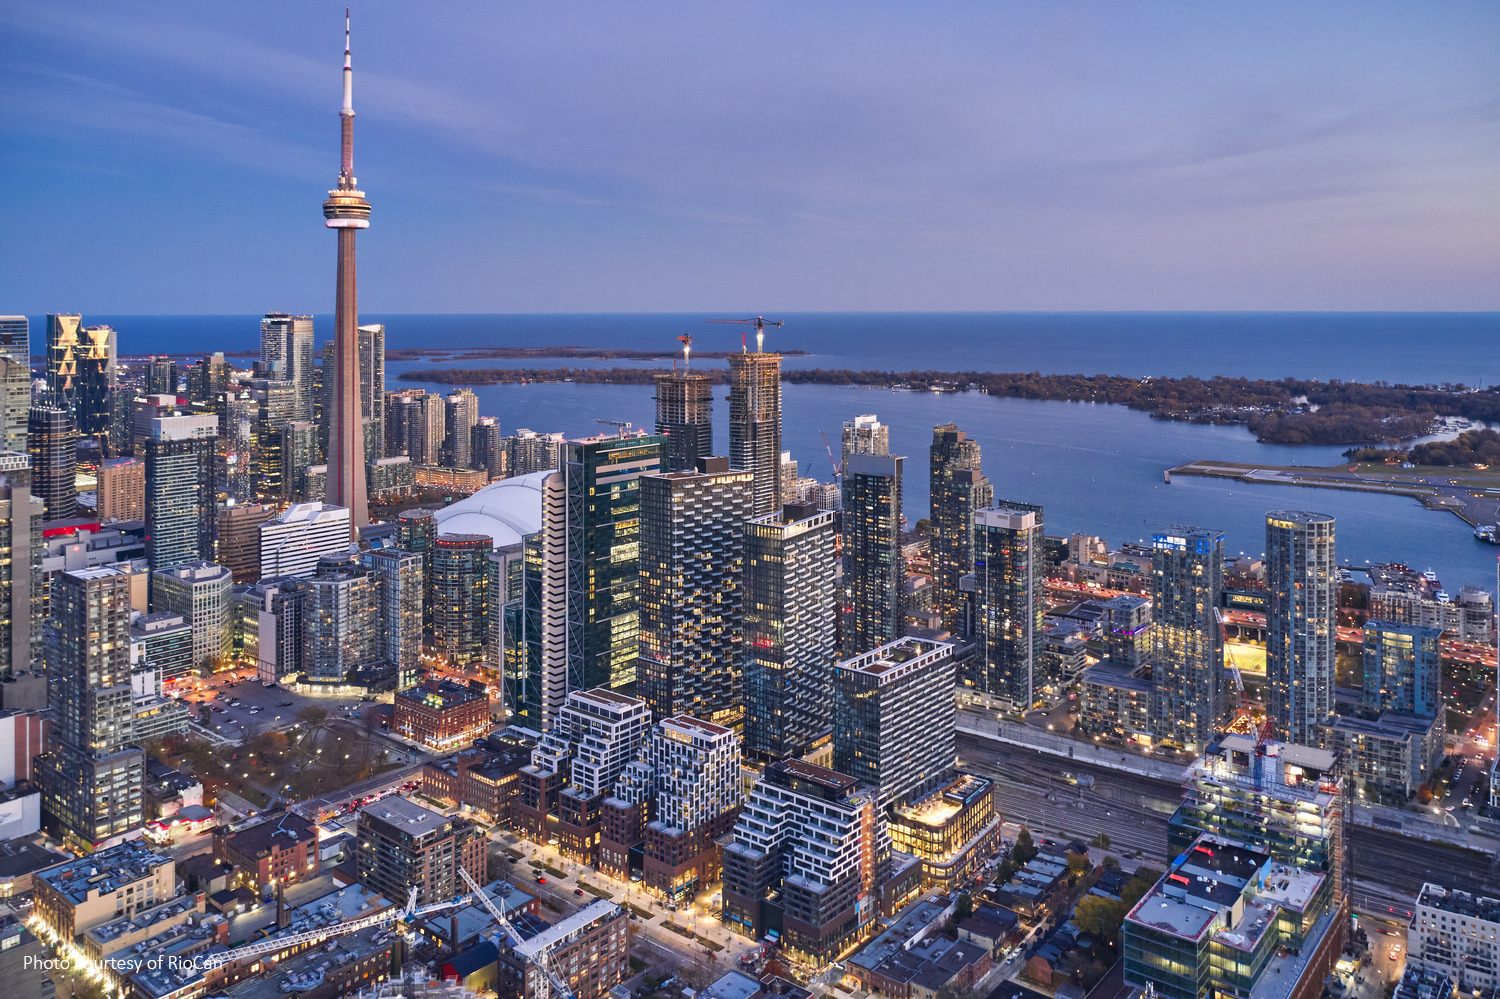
pixel 589 951
pixel 441 714
pixel 484 780
pixel 279 850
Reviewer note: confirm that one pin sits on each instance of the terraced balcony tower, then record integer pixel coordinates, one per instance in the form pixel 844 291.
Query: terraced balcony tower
pixel 347 211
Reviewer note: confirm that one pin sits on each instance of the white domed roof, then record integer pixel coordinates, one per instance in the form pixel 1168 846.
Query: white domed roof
pixel 507 510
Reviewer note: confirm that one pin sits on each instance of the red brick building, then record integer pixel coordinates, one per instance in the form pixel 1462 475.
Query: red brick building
pixel 484 781
pixel 441 714
pixel 283 849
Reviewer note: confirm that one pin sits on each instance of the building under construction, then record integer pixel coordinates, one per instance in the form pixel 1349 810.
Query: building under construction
pixel 1284 798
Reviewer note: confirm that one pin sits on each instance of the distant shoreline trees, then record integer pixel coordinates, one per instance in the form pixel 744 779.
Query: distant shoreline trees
pixel 1285 411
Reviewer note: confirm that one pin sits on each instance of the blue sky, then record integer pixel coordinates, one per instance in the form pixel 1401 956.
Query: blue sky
pixel 578 157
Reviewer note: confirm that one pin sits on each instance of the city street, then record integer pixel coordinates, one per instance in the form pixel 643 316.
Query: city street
pixel 560 894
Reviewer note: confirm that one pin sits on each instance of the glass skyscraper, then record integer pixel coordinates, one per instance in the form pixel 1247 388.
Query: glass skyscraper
pixel 1008 620
pixel 461 595
pixel 958 489
pixel 874 571
pixel 595 599
pixel 15 382
pixel 91 775
pixel 692 552
pixel 52 440
pixel 1188 703
pixel 755 424
pixel 791 607
pixel 1301 601
pixel 684 412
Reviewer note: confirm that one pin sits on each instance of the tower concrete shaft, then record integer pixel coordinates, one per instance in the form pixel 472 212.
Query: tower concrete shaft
pixel 347 211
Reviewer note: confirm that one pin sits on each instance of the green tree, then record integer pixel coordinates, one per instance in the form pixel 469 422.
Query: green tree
pixel 1100 917
pixel 1102 841
pixel 1078 865
pixel 1025 849
pixel 1110 863
pixel 1144 878
pixel 964 907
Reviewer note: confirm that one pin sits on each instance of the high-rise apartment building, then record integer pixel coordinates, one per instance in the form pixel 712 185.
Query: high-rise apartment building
pixel 684 413
pixel 1189 703
pixel 808 856
pixel 15 382
pixel 699 793
pixel 161 375
pixel 596 505
pixel 299 452
pixel 1008 586
pixel 122 489
pixel 372 383
pixel 1127 631
pixel 461 595
pixel 957 490
pixel 208 379
pixel 339 629
pixel 239 539
pixel 292 543
pixel 790 613
pixel 487 448
pixel 21 549
pixel 203 593
pixel 460 413
pixel 755 423
pixel 286 354
pixel 346 212
pixel 92 772
pixel 1455 934
pixel 417 531
pixel 398 575
pixel 403 845
pixel 692 552
pixel 1403 669
pixel 597 734
pixel 271 612
pixel 865 435
pixel 1392 741
pixel 874 571
pixel 1301 601
pixel 181 489
pixel 52 441
pixel 894 716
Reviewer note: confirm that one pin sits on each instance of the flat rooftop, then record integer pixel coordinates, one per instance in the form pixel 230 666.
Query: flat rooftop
pixel 1461 902
pixel 405 814
pixel 104 872
pixel 801 770
pixel 892 660
pixel 1290 887
pixel 1186 917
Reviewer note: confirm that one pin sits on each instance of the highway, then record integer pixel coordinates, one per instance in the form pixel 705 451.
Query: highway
pixel 1132 810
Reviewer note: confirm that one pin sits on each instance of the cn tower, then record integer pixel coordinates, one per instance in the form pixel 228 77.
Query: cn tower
pixel 347 211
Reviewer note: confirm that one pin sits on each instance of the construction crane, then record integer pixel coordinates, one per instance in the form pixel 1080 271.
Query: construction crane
pixel 620 426
pixel 760 323
pixel 284 942
pixel 838 473
pixel 537 956
pixel 1234 669
pixel 687 348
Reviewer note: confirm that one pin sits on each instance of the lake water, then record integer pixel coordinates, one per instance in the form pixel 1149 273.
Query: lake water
pixel 1094 468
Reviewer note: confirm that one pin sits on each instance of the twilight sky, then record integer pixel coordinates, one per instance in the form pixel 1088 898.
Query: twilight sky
pixel 581 157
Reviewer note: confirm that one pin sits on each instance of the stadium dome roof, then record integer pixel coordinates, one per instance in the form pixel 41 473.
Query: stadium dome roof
pixel 506 510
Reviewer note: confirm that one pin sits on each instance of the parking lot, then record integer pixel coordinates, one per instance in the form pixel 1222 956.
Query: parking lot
pixel 240 706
